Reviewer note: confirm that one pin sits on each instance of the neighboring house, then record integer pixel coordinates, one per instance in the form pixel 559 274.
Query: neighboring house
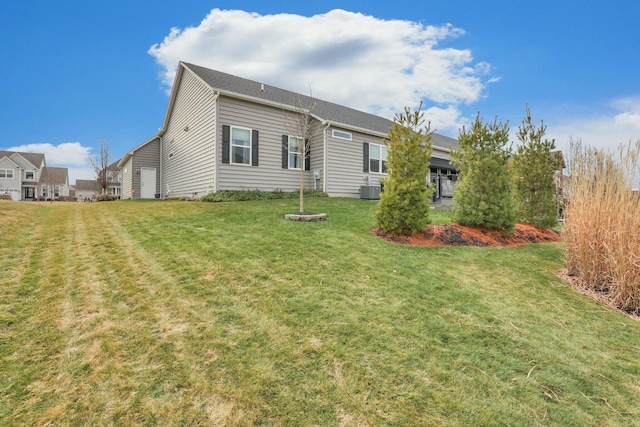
pixel 20 174
pixel 140 169
pixel 86 189
pixel 114 179
pixel 53 183
pixel 223 132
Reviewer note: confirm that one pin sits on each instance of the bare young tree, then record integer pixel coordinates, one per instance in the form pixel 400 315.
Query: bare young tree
pixel 302 134
pixel 99 163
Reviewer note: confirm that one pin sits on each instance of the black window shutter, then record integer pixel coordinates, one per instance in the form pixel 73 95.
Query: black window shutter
pixel 226 137
pixel 307 158
pixel 285 151
pixel 365 156
pixel 254 148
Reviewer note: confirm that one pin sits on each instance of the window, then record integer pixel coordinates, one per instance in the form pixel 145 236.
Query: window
pixel 295 153
pixel 239 145
pixel 292 149
pixel 44 191
pixel 56 191
pixel 378 158
pixel 6 173
pixel 29 175
pixel 342 135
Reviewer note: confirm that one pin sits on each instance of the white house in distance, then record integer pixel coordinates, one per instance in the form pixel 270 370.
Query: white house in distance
pixel 25 176
pixel 223 132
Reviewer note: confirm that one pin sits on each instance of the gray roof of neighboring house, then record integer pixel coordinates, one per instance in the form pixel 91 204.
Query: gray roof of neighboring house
pixel 52 175
pixel 86 185
pixel 334 113
pixel 36 159
pixel 114 166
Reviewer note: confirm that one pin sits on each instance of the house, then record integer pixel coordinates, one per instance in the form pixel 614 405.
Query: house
pixel 114 179
pixel 223 132
pixel 140 171
pixel 20 174
pixel 54 183
pixel 86 189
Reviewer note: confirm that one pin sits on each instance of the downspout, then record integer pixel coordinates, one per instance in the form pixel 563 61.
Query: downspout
pixel 162 196
pixel 215 143
pixel 324 160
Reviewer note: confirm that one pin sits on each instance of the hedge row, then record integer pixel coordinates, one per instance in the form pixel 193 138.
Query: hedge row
pixel 246 195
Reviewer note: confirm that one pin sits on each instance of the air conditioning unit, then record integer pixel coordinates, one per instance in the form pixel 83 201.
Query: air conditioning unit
pixel 370 192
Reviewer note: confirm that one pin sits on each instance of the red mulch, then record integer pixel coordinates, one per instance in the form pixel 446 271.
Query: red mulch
pixel 460 235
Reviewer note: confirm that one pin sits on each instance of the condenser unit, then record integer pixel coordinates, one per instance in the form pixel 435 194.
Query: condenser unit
pixel 370 192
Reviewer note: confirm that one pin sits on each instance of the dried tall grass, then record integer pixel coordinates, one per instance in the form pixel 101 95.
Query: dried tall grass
pixel 602 223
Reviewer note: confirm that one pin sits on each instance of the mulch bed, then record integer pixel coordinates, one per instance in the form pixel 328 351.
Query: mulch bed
pixel 460 235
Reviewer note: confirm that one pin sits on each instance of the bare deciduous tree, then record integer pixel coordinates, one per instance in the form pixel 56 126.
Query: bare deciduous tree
pixel 99 163
pixel 303 132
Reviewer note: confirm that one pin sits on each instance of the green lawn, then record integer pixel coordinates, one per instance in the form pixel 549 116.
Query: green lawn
pixel 183 313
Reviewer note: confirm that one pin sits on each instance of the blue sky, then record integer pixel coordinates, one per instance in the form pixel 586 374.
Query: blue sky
pixel 75 72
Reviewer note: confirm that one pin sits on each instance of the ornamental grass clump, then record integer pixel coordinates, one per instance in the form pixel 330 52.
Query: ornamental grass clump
pixel 602 223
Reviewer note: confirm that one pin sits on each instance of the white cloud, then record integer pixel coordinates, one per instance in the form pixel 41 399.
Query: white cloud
pixel 375 65
pixel 71 155
pixel 607 128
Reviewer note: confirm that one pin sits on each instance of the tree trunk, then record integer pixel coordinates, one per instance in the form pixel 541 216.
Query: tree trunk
pixel 302 186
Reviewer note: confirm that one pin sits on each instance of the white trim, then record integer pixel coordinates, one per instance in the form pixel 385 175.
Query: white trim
pixel 334 133
pixel 380 158
pixel 231 145
pixel 6 173
pixel 299 153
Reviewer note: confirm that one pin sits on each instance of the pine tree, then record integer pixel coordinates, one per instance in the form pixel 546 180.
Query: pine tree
pixel 404 203
pixel 534 167
pixel 484 195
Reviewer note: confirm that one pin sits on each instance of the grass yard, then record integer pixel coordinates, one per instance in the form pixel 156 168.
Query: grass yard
pixel 177 313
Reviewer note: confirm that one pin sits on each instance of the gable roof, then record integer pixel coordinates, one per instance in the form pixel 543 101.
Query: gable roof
pixel 128 154
pixel 52 175
pixel 327 112
pixel 36 159
pixel 86 185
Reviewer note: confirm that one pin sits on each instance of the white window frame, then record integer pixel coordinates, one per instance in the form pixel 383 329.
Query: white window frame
pixel 296 154
pixel 340 134
pixel 6 173
pixel 33 175
pixel 232 145
pixel 381 158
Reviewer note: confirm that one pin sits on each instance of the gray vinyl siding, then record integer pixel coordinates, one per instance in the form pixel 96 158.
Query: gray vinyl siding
pixel 271 124
pixel 147 156
pixel 344 166
pixel 190 137
pixel 11 186
pixel 127 174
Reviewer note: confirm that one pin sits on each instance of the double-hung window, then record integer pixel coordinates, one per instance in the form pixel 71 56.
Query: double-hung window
pixel 378 158
pixel 239 145
pixel 6 173
pixel 295 152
